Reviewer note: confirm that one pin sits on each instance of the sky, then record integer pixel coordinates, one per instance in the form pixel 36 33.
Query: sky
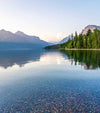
pixel 51 20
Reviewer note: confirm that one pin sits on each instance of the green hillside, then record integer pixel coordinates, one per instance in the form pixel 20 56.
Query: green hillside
pixel 89 41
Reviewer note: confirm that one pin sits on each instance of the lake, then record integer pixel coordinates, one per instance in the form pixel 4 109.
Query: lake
pixel 49 81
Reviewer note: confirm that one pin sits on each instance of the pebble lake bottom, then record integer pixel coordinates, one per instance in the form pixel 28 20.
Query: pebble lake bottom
pixel 49 82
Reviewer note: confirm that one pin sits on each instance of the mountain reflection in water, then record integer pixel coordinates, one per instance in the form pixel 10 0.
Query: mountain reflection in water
pixel 88 59
pixel 45 81
pixel 10 58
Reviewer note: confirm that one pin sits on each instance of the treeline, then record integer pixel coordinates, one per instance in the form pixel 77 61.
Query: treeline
pixel 88 41
pixel 52 47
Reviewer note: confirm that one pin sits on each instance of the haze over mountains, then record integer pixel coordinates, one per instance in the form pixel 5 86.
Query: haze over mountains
pixel 19 40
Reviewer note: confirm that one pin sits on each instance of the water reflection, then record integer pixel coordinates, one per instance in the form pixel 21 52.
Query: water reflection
pixel 88 59
pixel 48 83
pixel 10 58
pixel 22 57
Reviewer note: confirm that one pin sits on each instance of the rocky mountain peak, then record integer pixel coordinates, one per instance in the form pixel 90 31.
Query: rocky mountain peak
pixel 91 27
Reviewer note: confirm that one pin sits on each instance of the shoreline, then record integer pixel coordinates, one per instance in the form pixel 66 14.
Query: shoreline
pixel 79 49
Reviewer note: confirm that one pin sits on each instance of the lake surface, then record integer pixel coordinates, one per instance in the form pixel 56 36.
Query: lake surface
pixel 49 81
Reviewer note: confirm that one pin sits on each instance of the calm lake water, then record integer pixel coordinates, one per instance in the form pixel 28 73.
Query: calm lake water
pixel 49 81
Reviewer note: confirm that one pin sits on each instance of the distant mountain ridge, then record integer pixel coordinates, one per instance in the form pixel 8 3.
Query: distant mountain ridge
pixel 20 40
pixel 91 27
pixel 57 45
pixel 20 37
pixel 65 39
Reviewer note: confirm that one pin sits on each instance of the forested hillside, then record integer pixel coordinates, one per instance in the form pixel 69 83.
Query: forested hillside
pixel 91 40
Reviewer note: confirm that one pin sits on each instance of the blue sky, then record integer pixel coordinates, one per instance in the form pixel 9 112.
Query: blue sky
pixel 51 20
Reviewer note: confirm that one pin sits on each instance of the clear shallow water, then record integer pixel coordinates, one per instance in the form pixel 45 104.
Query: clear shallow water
pixel 49 81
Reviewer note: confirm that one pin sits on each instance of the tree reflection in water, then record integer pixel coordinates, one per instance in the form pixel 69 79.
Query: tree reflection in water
pixel 90 59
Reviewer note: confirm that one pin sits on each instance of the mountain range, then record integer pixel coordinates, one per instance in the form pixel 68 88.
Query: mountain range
pixel 20 40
